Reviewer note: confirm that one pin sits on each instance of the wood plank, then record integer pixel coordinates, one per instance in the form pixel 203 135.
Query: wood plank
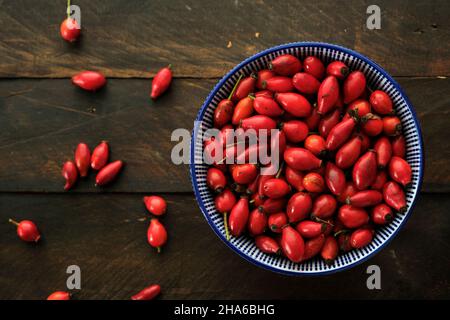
pixel 43 120
pixel 106 236
pixel 131 38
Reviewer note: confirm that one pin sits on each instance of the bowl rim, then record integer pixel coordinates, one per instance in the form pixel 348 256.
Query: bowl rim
pixel 214 91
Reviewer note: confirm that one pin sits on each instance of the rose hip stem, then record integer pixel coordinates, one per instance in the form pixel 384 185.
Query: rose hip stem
pixel 235 86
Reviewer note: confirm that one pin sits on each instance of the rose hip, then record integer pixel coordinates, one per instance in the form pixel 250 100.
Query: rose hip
pixel 366 198
pixel 258 122
pixel 338 69
pixel 372 125
pixel 27 230
pixel 292 244
pixel 276 188
pixel 267 245
pixel 70 173
pixel 70 30
pixel 335 179
pixel 263 75
pixel 305 83
pixel 299 207
pixel 349 153
pixel 257 222
pixel 313 182
pixel 313 247
pixel 314 66
pixel 59 295
pixel 329 250
pixel 82 159
pixel 400 171
pixel 361 237
pixel 315 144
pixel 108 173
pixel 294 103
pixel 328 95
pixel 329 122
pixel 399 146
pixel 148 293
pixel 294 178
pixel 161 82
pixel 244 173
pixel 394 196
pixel 216 180
pixel 239 217
pixel 267 106
pixel 360 107
pixel 244 109
pixel 264 93
pixel 381 102
pixel 310 229
pixel 365 170
pixel 383 149
pixel 380 180
pixel 354 86
pixel 244 88
pixel 225 201
pixel 352 217
pixel 273 205
pixel 156 234
pixel 324 207
pixel 349 190
pixel 340 134
pixel 313 120
pixel 278 84
pixel 156 205
pixel 223 113
pixel 301 159
pixel 277 221
pixel 295 130
pixel 100 156
pixel 89 80
pixel 285 65
pixel 381 214
pixel 392 126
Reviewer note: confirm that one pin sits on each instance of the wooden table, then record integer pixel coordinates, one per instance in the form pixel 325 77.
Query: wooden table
pixel 43 117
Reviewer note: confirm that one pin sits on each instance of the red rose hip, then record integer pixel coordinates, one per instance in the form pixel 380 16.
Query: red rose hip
pixel 89 80
pixel 155 205
pixel 161 82
pixel 27 230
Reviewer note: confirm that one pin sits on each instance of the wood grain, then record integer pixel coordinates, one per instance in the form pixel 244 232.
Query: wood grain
pixel 132 38
pixel 105 235
pixel 42 121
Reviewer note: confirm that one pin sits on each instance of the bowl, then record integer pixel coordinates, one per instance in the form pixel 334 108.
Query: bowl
pixel 377 78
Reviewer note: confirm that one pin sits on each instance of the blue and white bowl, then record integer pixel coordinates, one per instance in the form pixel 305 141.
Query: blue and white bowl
pixel 377 78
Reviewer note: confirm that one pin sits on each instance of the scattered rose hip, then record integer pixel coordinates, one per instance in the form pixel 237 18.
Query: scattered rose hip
pixel 89 80
pixel 70 29
pixel 161 82
pixel 343 169
pixel 155 205
pixel 148 293
pixel 27 230
pixel 97 161
pixel 59 295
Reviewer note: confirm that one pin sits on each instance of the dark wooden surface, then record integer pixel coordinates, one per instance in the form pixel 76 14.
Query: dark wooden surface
pixel 103 231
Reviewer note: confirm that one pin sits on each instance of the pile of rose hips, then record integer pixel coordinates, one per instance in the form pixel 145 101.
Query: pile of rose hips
pixel 342 151
pixel 107 172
